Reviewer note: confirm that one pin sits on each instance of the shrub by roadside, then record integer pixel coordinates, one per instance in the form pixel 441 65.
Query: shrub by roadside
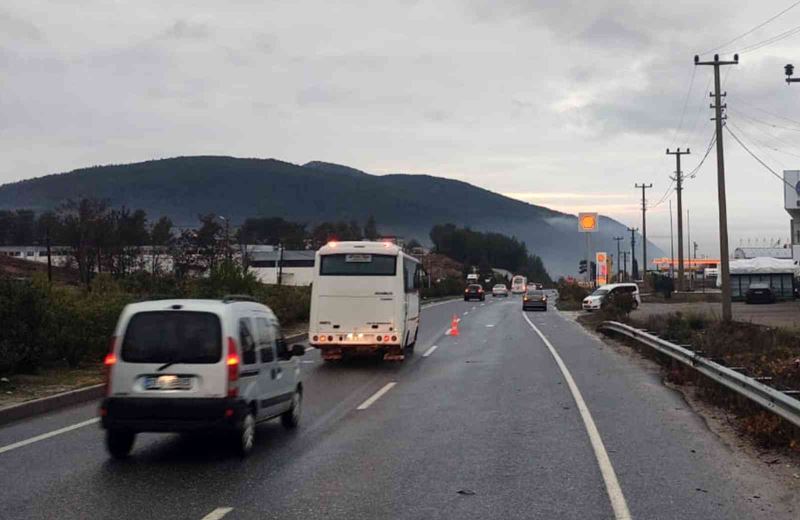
pixel 761 351
pixel 570 295
pixel 44 325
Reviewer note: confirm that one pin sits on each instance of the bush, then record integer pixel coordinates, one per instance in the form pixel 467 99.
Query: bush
pixel 450 286
pixel 570 295
pixel 617 306
pixel 22 314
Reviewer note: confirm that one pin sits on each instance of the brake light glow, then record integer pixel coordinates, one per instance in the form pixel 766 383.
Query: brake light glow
pixel 232 360
pixel 109 361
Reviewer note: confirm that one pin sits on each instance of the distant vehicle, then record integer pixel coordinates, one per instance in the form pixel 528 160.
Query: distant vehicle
pixel 500 290
pixel 519 284
pixel 534 299
pixel 474 291
pixel 473 277
pixel 189 365
pixel 759 293
pixel 595 300
pixel 364 299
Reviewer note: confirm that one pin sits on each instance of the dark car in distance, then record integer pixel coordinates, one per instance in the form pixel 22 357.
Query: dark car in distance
pixel 474 292
pixel 534 299
pixel 759 293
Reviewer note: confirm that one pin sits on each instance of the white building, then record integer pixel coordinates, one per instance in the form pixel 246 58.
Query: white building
pixel 295 267
pixel 742 253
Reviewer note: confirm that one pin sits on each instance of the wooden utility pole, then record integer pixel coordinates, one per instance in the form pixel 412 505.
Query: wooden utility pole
pixel 634 269
pixel 724 261
pixel 619 257
pixel 644 186
pixel 679 189
pixel 671 245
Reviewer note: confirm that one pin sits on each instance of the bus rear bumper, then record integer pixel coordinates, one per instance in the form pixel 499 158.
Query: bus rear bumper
pixel 337 352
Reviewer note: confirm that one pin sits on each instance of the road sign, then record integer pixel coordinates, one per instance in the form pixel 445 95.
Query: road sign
pixel 587 222
pixel 602 267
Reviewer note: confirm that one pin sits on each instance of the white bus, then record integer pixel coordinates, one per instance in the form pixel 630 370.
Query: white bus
pixel 519 284
pixel 364 299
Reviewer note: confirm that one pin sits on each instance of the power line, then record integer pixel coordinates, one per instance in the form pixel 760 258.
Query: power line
pixel 777 139
pixel 763 147
pixel 768 112
pixel 759 26
pixel 693 173
pixel 770 41
pixel 757 158
pixel 685 105
pixel 761 121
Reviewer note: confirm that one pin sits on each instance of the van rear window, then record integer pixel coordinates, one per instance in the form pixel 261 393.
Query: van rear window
pixel 358 265
pixel 173 337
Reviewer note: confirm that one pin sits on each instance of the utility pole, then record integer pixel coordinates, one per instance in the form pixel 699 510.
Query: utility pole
pixel 689 248
pixel 679 189
pixel 280 263
pixel 634 270
pixel 671 245
pixel 625 264
pixel 724 261
pixel 644 186
pixel 49 256
pixel 619 256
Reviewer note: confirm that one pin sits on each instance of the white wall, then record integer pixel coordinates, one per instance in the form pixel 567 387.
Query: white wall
pixel 291 275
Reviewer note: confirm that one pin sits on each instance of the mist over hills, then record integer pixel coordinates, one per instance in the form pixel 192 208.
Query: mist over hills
pixel 403 205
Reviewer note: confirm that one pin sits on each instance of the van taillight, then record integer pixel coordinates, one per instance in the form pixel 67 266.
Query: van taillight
pixel 232 360
pixel 109 362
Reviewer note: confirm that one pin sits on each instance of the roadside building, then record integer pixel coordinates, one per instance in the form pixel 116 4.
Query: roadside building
pixel 778 273
pixel 743 253
pixel 295 267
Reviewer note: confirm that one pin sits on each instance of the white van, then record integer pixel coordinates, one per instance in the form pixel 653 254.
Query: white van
pixel 595 300
pixel 519 284
pixel 189 365
pixel 364 299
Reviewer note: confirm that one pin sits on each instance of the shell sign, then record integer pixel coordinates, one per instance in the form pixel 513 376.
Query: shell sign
pixel 602 267
pixel 587 222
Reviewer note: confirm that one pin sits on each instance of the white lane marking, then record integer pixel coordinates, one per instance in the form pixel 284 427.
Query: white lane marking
pixel 490 325
pixel 217 513
pixel 44 436
pixel 436 304
pixel 309 349
pixel 430 351
pixel 483 304
pixel 613 488
pixel 377 395
pixel 466 312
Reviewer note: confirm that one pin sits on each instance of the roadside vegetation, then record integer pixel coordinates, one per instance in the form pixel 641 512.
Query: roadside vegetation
pixel 755 350
pixel 570 295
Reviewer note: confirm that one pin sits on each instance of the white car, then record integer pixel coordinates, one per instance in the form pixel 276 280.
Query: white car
pixel 193 365
pixel 595 300
pixel 500 290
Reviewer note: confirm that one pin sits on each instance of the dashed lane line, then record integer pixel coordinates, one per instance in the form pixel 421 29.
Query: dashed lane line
pixel 618 503
pixel 47 435
pixel 430 351
pixel 377 395
pixel 218 513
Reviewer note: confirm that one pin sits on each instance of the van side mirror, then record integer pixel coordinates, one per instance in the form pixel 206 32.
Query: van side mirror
pixel 297 350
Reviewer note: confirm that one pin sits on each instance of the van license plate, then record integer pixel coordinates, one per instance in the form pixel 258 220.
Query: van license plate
pixel 168 382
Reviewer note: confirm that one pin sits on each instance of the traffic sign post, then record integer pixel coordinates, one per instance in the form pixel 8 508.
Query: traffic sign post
pixel 602 268
pixel 587 223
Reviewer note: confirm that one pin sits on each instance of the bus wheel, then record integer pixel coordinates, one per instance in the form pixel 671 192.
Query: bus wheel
pixel 411 345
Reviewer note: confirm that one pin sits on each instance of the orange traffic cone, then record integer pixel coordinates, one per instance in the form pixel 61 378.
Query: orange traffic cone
pixel 454 326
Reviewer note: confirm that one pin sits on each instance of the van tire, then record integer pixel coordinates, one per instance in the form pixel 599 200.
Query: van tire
pixel 411 345
pixel 119 443
pixel 245 434
pixel 290 419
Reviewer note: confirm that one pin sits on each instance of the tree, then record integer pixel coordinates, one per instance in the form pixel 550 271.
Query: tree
pixel 371 229
pixel 82 221
pixel 161 238
pixel 209 240
pixel 273 231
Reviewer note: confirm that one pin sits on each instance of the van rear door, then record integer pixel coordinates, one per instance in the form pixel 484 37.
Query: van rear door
pixel 171 352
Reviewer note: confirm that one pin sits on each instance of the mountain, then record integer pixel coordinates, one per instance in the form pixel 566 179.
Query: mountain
pixel 404 205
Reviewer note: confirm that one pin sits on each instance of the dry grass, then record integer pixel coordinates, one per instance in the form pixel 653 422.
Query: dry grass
pixel 24 387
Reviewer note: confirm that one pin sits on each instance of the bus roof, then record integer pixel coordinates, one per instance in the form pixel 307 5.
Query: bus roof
pixel 378 248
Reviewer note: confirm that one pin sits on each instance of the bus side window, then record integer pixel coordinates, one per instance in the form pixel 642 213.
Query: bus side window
pixel 410 275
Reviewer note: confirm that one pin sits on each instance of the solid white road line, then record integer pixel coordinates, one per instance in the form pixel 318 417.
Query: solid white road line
pixel 377 395
pixel 613 488
pixel 218 513
pixel 44 436
pixel 430 351
pixel 466 312
pixel 308 349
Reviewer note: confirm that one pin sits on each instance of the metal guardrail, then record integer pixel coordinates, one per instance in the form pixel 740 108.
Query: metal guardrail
pixel 776 401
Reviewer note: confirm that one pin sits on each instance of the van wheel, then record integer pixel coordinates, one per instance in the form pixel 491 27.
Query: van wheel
pixel 290 419
pixel 413 344
pixel 246 434
pixel 119 443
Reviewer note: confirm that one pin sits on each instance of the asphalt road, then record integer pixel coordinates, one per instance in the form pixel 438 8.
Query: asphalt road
pixel 487 425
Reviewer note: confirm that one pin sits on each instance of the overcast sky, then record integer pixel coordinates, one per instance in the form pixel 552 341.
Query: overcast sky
pixel 563 103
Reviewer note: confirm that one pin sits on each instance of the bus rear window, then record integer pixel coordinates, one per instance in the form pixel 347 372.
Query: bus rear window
pixel 358 264
pixel 173 337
